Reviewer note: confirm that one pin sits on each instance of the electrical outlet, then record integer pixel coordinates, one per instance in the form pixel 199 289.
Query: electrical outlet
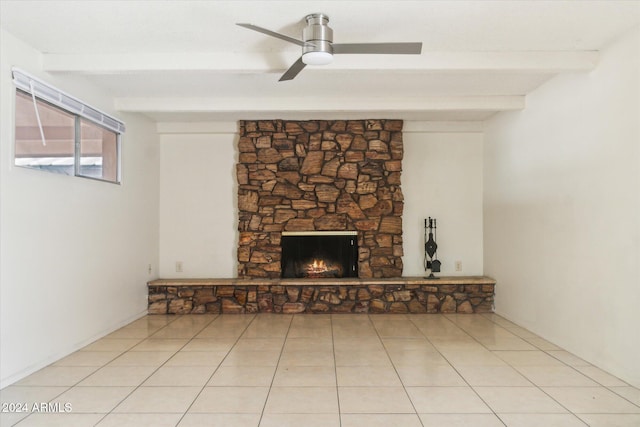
pixel 458 265
pixel 178 266
pixel 150 270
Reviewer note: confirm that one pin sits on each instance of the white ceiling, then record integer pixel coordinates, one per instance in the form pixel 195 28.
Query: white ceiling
pixel 188 61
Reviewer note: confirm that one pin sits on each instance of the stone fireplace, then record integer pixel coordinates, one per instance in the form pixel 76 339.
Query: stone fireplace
pixel 318 180
pixel 320 175
pixel 319 254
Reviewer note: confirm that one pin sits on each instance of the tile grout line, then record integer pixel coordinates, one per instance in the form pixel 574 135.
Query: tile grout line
pixel 547 352
pixel 219 316
pixel 424 326
pixel 335 370
pixel 69 388
pixel 395 369
pixel 534 384
pixel 273 378
pixel 454 368
pixel 621 396
pixel 104 365
pixel 155 370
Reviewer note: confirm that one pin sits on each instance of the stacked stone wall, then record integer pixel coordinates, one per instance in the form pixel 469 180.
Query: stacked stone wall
pixel 293 299
pixel 320 176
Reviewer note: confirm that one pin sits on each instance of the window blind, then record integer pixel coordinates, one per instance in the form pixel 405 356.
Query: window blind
pixel 46 92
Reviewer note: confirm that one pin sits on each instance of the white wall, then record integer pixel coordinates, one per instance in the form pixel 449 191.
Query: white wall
pixel 562 211
pixel 74 252
pixel 442 178
pixel 198 210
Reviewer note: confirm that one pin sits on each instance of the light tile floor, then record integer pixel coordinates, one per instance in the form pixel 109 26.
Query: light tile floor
pixel 322 370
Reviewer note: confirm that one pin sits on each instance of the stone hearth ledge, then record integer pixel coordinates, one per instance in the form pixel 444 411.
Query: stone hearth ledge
pixel 453 294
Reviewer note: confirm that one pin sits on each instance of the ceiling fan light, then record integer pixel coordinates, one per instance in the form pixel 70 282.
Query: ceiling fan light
pixel 317 58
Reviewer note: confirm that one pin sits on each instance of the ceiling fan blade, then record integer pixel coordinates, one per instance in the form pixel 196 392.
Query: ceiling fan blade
pixel 386 48
pixel 273 34
pixel 293 70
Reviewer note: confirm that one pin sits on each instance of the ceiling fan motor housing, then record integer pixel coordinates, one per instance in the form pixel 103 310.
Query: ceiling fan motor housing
pixel 318 34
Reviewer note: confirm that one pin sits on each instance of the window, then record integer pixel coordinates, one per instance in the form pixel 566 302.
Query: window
pixel 57 133
pixel 98 152
pixel 58 128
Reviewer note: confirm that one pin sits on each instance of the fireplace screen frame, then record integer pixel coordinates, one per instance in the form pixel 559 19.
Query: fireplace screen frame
pixel 345 243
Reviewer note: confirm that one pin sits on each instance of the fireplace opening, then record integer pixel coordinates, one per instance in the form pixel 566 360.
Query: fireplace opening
pixel 319 254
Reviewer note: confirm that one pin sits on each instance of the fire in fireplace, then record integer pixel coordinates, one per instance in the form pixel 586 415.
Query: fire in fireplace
pixel 319 254
pixel 320 268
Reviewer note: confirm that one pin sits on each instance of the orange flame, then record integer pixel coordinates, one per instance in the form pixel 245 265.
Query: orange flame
pixel 318 266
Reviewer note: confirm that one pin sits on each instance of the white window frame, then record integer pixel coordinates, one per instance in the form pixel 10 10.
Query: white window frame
pixel 43 91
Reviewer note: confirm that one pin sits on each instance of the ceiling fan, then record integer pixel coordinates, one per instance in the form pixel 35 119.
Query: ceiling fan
pixel 318 47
